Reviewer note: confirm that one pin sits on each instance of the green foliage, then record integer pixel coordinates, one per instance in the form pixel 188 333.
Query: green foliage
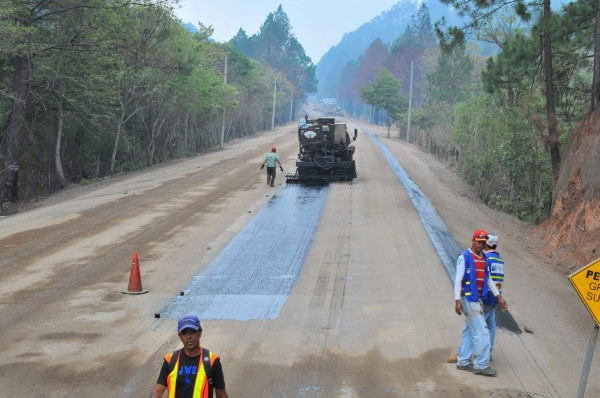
pixel 513 71
pixel 385 93
pixel 501 153
pixel 278 47
pixel 517 69
pixel 502 156
pixel 130 85
pixel 451 81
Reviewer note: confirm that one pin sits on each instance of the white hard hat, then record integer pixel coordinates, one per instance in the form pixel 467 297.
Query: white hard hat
pixel 492 240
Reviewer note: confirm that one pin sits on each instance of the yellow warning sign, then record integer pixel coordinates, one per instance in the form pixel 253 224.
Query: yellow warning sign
pixel 586 282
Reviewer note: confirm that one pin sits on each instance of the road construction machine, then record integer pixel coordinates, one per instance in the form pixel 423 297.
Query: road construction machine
pixel 325 153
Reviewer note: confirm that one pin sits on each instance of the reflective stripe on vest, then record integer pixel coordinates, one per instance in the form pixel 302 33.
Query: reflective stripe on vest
pixel 496 268
pixel 496 265
pixel 201 389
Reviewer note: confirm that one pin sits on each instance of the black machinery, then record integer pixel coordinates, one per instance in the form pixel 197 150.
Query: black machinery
pixel 325 153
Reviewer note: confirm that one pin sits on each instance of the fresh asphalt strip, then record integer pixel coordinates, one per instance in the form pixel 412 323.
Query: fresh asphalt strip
pixel 444 243
pixel 254 274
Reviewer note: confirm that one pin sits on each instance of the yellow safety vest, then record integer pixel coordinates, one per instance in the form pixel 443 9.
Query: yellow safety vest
pixel 202 388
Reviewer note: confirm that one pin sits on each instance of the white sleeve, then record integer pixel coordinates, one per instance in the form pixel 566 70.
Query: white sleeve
pixel 492 286
pixel 460 273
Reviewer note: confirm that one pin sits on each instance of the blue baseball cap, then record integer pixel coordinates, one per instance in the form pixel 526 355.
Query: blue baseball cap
pixel 188 322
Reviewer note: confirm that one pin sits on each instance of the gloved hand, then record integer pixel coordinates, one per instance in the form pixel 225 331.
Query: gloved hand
pixel 262 166
pixel 281 168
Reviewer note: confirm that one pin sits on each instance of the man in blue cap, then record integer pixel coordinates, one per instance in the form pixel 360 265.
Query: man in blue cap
pixel 191 371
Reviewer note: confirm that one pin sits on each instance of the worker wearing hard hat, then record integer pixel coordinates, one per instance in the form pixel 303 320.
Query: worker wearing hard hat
pixel 272 160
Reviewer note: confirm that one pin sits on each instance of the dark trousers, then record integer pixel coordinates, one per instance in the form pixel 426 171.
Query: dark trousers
pixel 271 172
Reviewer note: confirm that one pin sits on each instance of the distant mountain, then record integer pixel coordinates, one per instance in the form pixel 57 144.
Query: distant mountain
pixel 191 27
pixel 388 26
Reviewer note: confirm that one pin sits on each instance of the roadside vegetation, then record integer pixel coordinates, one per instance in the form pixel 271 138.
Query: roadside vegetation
pixel 498 98
pixel 91 88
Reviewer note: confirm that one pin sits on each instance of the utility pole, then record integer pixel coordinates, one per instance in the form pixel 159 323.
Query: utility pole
pixel 274 99
pixel 292 106
pixel 223 123
pixel 409 103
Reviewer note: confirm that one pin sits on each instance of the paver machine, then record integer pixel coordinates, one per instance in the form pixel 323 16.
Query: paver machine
pixel 325 153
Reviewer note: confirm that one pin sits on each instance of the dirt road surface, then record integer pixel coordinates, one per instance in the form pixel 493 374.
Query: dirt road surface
pixel 371 313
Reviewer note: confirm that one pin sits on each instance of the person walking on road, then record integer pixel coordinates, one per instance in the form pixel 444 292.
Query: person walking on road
pixel 192 371
pixel 472 283
pixel 271 160
pixel 490 303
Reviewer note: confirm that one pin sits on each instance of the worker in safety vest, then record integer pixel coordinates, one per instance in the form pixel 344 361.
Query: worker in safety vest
pixel 192 371
pixel 471 285
pixel 496 268
pixel 496 264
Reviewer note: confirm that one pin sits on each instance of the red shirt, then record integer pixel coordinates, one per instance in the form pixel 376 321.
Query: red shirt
pixel 479 270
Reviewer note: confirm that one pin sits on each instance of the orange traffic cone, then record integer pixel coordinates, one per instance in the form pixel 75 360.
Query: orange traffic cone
pixel 135 282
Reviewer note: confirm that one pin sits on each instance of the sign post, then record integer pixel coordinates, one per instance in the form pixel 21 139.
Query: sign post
pixel 586 282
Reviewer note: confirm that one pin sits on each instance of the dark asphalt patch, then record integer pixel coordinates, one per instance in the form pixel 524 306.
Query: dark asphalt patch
pixel 254 274
pixel 446 246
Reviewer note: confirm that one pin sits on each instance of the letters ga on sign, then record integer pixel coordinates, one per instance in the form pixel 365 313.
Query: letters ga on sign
pixel 586 282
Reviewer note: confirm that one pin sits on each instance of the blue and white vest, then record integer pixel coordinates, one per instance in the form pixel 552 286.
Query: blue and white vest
pixel 470 278
pixel 496 266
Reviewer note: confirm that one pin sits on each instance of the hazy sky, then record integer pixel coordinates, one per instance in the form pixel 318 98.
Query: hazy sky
pixel 317 24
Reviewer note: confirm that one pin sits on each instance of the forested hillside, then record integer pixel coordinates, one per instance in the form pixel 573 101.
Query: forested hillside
pixel 97 87
pixel 387 27
pixel 516 125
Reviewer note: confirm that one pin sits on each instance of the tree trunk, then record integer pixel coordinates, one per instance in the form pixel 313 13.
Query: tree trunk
pixel 157 125
pixel 186 129
pixel 113 156
pixel 20 90
pixel 150 159
pixel 55 84
pixel 550 105
pixel 123 102
pixel 388 122
pixel 59 127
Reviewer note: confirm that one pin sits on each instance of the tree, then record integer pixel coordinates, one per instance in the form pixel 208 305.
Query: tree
pixel 277 46
pixel 515 73
pixel 140 51
pixel 95 87
pixel 241 42
pixel 385 93
pixel 21 27
pixel 370 64
pixel 72 69
pixel 451 80
pixel 514 70
pixel 480 13
pixel 502 156
pixel 30 29
pixel 347 87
